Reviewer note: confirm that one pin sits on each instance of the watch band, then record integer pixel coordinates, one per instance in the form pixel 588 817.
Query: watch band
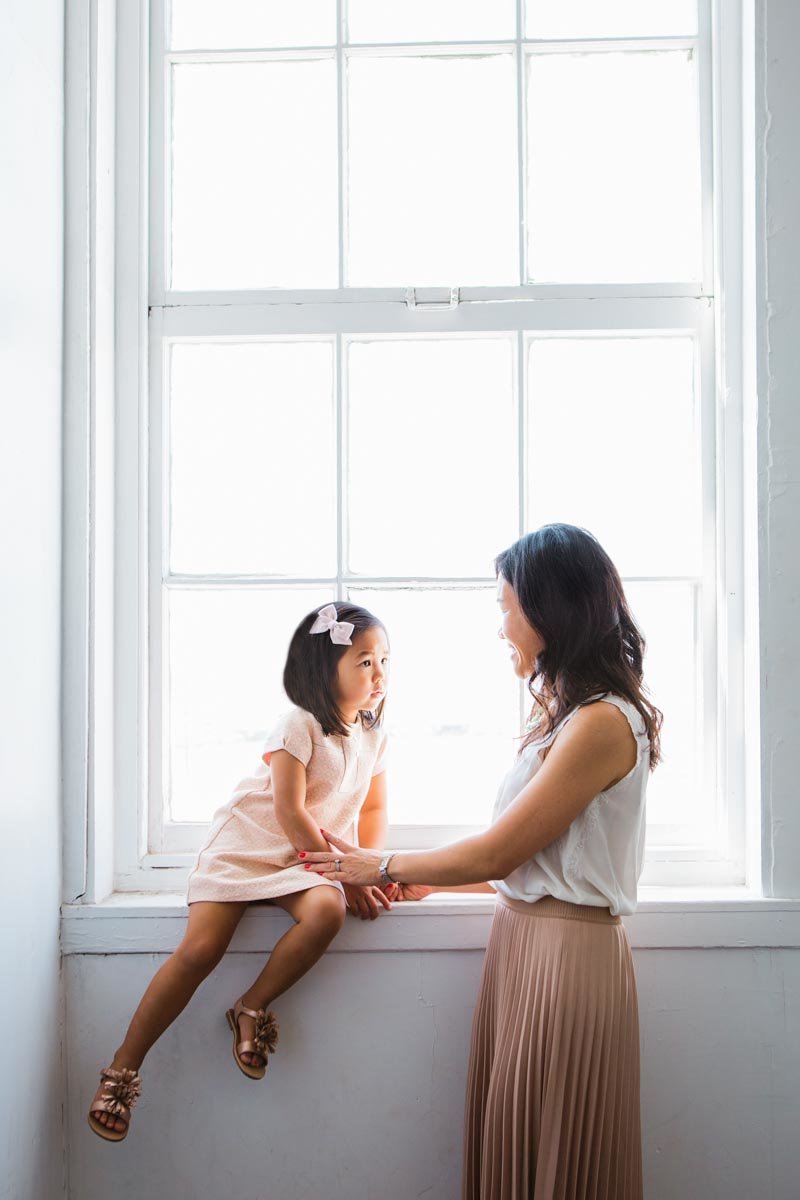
pixel 384 863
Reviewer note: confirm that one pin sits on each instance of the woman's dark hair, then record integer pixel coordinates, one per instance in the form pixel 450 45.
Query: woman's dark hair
pixel 571 593
pixel 309 677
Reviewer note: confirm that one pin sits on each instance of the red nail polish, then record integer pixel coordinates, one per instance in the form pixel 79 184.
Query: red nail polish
pixel 302 854
pixel 306 866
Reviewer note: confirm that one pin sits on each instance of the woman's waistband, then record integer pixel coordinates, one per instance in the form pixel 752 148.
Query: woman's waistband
pixel 549 906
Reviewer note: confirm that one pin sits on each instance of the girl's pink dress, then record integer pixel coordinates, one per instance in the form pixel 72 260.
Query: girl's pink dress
pixel 247 854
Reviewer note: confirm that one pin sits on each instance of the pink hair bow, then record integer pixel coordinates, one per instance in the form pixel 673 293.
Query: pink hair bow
pixel 339 630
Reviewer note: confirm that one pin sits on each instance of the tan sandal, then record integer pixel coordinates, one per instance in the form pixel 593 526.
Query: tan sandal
pixel 264 1041
pixel 121 1090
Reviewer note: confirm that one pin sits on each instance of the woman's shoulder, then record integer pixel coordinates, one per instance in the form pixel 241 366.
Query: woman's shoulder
pixel 604 705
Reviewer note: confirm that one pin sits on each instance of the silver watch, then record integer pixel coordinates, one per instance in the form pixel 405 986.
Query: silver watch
pixel 385 876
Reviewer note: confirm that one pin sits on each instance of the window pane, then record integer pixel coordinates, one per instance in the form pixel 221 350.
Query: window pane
pixel 226 652
pixel 613 167
pixel 612 18
pixel 254 175
pixel 432 188
pixel 430 20
pixel 251 24
pixel 665 612
pixel 613 445
pixel 252 459
pixel 432 454
pixel 452 705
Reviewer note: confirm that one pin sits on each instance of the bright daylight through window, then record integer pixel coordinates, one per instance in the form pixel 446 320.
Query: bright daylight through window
pixel 320 431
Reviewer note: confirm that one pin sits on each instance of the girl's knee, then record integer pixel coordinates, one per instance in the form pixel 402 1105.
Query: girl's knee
pixel 326 907
pixel 199 954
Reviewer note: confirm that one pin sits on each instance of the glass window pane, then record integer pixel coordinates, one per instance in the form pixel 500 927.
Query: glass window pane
pixel 432 455
pixel 252 459
pixel 251 24
pixel 611 19
pixel 452 706
pixel 430 20
pixel 613 446
pixel 254 175
pixel 432 185
pixel 666 615
pixel 613 167
pixel 226 651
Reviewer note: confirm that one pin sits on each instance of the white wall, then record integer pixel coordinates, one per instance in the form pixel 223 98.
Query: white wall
pixel 778 366
pixel 31 252
pixel 364 1098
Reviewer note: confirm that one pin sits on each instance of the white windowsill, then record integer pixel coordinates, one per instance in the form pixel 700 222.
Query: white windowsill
pixel 142 923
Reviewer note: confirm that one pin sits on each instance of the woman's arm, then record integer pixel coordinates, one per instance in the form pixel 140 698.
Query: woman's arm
pixel 594 750
pixel 468 887
pixel 373 821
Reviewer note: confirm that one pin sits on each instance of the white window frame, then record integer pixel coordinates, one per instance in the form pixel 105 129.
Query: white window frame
pixel 692 309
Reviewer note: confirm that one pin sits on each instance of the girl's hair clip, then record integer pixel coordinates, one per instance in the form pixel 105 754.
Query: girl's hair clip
pixel 326 622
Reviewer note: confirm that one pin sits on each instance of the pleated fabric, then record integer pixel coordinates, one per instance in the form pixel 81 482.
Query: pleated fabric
pixel 552 1106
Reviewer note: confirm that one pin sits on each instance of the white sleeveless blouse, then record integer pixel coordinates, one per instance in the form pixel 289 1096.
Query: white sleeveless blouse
pixel 598 859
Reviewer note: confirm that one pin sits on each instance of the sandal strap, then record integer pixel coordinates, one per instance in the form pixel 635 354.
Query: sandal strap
pixel 110 1105
pixel 120 1092
pixel 248 1048
pixel 239 1008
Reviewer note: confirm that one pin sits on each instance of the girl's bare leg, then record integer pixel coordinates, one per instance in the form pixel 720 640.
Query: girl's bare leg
pixel 210 928
pixel 319 914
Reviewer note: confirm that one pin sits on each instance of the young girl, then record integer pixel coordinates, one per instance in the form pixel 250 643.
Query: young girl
pixel 322 765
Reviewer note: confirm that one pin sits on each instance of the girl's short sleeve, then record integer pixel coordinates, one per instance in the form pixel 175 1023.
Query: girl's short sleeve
pixel 292 733
pixel 380 761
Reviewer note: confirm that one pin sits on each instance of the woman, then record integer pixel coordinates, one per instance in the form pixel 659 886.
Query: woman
pixel 552 1106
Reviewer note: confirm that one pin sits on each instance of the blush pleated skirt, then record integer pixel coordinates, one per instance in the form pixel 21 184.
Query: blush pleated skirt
pixel 552 1106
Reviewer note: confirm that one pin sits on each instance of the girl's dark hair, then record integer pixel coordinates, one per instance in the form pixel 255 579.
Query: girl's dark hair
pixel 571 593
pixel 309 677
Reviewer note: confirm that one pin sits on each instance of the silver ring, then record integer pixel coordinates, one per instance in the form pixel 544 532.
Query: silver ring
pixel 338 862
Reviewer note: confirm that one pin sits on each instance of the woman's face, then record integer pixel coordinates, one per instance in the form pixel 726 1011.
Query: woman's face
pixel 523 640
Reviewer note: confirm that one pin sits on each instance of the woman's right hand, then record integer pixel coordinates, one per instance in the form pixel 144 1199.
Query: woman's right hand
pixel 413 891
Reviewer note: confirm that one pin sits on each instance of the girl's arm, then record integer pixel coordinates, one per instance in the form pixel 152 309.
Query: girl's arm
pixel 373 821
pixel 289 789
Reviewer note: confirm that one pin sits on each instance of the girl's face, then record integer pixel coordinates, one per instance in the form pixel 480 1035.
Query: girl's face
pixel 362 674
pixel 523 640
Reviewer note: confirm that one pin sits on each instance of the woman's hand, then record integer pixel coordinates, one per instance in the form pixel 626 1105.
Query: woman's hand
pixel 358 865
pixel 365 902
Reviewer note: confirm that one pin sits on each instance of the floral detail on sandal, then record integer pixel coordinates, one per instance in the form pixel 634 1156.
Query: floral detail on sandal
pixel 121 1090
pixel 266 1034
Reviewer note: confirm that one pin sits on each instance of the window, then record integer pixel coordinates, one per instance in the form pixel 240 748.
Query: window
pixel 420 277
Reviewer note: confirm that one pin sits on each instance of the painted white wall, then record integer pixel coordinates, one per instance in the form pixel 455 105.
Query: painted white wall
pixel 364 1098
pixel 777 265
pixel 31 254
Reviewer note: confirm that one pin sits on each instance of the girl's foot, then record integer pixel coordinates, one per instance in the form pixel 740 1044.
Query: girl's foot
pixel 110 1111
pixel 247 1032
pixel 255 1036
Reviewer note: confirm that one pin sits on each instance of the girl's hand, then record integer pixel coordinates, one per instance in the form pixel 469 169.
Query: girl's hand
pixel 358 865
pixel 365 902
pixel 413 891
